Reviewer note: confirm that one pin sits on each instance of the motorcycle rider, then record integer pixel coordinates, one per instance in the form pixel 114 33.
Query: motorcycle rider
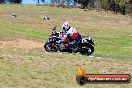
pixel 54 33
pixel 71 34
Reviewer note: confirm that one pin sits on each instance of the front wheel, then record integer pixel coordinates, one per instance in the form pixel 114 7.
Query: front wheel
pixel 50 48
pixel 87 50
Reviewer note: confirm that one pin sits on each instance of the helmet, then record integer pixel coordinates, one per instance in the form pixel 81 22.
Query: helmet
pixel 65 26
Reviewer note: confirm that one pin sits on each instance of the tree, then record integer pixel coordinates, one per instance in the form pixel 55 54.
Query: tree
pixel 68 2
pixel 14 1
pixel 38 2
pixel 2 1
pixel 130 6
pixel 92 3
pixel 58 2
pixel 74 2
pixel 43 1
pixel 84 3
pixel 62 3
pixel 52 2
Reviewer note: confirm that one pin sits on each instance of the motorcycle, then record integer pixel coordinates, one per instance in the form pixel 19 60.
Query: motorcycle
pixel 85 46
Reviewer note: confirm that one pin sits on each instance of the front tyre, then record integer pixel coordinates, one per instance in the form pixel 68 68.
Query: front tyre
pixel 50 48
pixel 87 50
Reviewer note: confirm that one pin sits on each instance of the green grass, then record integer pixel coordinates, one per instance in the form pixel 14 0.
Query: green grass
pixel 34 68
pixel 22 32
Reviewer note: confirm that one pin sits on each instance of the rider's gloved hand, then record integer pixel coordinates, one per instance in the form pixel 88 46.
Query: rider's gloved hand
pixel 65 36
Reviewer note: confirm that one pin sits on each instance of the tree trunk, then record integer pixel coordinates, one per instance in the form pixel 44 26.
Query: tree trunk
pixel 38 2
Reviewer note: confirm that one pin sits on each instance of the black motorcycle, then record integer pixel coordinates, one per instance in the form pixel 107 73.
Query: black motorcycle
pixel 85 46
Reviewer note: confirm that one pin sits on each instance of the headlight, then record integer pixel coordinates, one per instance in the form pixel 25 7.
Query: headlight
pixel 89 38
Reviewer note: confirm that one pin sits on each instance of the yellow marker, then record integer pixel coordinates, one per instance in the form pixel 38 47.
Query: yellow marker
pixel 81 71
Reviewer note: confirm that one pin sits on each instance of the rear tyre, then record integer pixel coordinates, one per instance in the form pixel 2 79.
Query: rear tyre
pixel 87 50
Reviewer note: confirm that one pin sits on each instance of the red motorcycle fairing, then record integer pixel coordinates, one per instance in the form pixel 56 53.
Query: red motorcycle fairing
pixel 74 35
pixel 63 39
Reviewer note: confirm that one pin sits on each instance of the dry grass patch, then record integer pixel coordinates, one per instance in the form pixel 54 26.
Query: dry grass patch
pixel 20 43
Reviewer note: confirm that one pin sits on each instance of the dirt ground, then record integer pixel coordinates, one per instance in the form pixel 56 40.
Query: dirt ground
pixel 20 43
pixel 30 44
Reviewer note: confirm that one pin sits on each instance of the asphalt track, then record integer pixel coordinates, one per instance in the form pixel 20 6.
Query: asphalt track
pixel 96 56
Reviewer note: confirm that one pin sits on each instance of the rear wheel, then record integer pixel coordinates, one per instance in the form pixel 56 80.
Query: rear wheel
pixel 50 48
pixel 87 50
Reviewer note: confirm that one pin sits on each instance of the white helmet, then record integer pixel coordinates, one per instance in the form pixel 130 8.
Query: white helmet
pixel 65 26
